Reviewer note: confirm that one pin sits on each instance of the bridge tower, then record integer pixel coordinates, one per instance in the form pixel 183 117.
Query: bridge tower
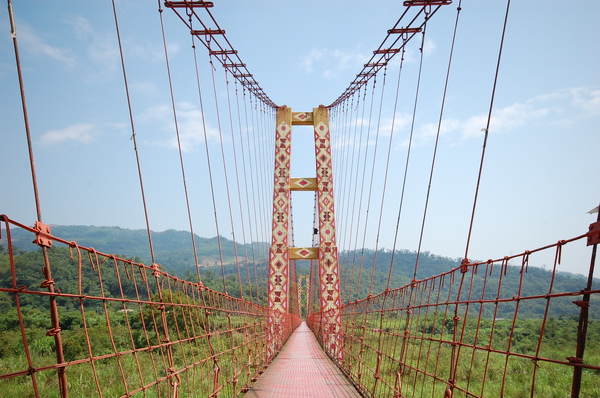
pixel 326 253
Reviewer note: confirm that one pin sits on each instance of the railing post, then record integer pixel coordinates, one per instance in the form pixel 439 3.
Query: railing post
pixel 43 240
pixel 583 313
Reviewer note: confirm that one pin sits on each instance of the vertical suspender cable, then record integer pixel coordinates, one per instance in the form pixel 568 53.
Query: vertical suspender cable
pixel 351 225
pixel 252 224
pixel 252 169
pixel 386 292
pixel 371 184
pixel 254 115
pixel 362 185
pixel 266 202
pixel 176 122
pixel 133 134
pixel 404 345
pixel 392 130
pixel 345 195
pixel 486 131
pixel 212 186
pixel 208 162
pixel 408 150
pixel 226 181
pixel 433 159
pixel 455 352
pixel 237 181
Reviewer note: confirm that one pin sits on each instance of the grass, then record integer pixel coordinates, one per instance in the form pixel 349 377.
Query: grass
pixel 235 358
pixel 427 357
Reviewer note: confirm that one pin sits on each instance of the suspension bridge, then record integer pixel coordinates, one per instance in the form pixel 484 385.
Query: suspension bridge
pixel 334 318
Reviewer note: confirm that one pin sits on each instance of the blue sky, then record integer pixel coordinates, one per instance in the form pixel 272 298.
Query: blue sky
pixel 539 176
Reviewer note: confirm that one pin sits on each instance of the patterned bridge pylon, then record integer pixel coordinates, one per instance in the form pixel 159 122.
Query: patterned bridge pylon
pixel 281 254
pixel 279 286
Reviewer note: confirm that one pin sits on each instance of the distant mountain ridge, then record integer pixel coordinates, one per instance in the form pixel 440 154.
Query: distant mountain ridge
pixel 172 248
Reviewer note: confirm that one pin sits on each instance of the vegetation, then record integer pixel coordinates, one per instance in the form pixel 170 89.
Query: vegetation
pixel 84 321
pixel 483 373
pixel 126 337
pixel 172 248
pixel 173 251
pixel 536 282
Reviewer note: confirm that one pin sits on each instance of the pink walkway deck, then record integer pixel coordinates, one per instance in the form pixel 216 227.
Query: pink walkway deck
pixel 302 370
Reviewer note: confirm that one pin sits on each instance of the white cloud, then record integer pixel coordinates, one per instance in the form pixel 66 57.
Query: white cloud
pixel 330 63
pixel 101 48
pixel 80 132
pixel 429 47
pixel 398 124
pixel 586 100
pixel 151 52
pixel 315 55
pixel 503 119
pixel 564 107
pixel 144 87
pixel 35 44
pixel 190 125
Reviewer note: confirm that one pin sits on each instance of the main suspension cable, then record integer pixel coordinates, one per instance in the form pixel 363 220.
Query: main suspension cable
pixel 387 49
pixel 210 36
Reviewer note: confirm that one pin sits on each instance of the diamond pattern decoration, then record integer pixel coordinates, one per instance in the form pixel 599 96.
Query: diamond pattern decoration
pixel 328 253
pixel 303 184
pixel 278 253
pixel 304 118
pixel 304 253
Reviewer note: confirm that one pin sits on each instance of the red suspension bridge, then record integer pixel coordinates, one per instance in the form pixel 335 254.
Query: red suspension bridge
pixel 116 326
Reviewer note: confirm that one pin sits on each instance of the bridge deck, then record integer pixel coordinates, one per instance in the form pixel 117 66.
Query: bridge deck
pixel 302 370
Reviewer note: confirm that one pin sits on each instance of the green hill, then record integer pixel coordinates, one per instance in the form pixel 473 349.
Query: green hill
pixel 173 251
pixel 172 248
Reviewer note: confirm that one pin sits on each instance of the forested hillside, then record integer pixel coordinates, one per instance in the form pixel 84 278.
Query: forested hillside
pixel 172 249
pixel 173 253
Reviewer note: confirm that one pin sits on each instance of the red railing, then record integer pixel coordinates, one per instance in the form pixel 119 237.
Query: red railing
pixel 494 328
pixel 113 327
pixel 482 329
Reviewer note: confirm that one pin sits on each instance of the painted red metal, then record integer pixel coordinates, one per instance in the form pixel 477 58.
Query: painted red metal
pixel 184 330
pixel 329 274
pixel 189 4
pixel 593 236
pixel 279 284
